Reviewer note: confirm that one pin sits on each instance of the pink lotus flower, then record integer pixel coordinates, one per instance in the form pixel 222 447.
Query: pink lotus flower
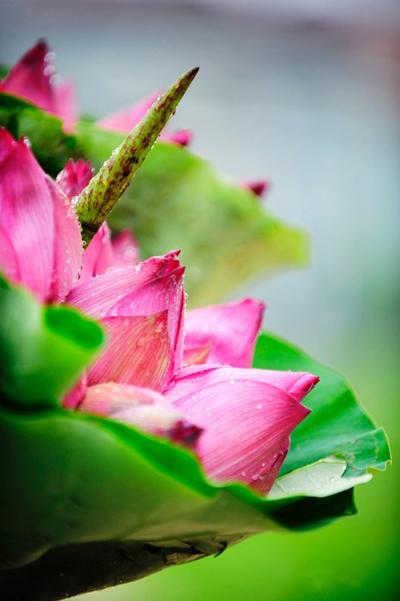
pixel 210 331
pixel 247 416
pixel 40 240
pixel 33 78
pixel 237 420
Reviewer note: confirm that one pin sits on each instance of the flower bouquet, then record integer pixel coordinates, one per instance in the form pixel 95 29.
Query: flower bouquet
pixel 137 434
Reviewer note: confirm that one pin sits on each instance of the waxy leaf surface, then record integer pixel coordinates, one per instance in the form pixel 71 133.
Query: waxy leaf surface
pixel 337 424
pixel 43 349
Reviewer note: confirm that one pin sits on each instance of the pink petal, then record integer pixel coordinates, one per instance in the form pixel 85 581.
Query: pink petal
pixel 99 255
pixel 258 187
pixel 37 223
pixel 8 258
pixel 141 407
pixel 137 352
pixel 31 78
pixel 125 119
pixel 126 250
pixel 67 245
pixel 164 293
pixel 74 177
pixel 182 137
pixel 196 355
pixel 246 417
pixel 74 397
pixel 100 294
pixel 26 214
pixel 226 334
pixel 297 384
pixel 65 105
pixel 7 144
pixel 102 253
pixel 149 287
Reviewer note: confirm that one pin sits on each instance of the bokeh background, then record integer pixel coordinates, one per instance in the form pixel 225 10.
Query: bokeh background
pixel 305 93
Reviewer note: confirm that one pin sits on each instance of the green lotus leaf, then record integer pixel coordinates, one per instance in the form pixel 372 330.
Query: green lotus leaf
pixel 50 144
pixel 337 426
pixel 43 349
pixel 71 480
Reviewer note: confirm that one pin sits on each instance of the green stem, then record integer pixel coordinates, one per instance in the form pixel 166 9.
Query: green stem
pixel 104 190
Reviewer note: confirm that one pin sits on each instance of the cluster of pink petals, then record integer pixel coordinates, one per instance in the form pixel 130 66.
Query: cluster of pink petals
pixel 198 389
pixel 33 78
pixel 191 382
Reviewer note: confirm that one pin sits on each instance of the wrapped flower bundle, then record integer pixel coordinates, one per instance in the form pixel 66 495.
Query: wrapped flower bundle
pixel 136 433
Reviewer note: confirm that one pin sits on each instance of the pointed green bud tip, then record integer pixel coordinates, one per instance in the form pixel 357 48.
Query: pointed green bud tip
pixel 105 189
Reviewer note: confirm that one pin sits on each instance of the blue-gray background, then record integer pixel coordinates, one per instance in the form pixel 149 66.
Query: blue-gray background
pixel 305 93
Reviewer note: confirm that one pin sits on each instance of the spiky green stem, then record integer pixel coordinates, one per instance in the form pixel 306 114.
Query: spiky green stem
pixel 105 189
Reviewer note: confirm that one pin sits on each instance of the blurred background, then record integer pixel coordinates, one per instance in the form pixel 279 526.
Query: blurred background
pixel 305 93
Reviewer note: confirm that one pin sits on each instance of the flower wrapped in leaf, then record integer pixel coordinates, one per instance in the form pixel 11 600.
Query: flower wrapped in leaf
pixel 132 434
pixel 141 308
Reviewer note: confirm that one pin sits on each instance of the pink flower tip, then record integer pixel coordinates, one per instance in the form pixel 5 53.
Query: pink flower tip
pixel 74 177
pixel 258 187
pixel 185 433
pixel 303 385
pixel 182 137
pixel 223 334
pixel 247 416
